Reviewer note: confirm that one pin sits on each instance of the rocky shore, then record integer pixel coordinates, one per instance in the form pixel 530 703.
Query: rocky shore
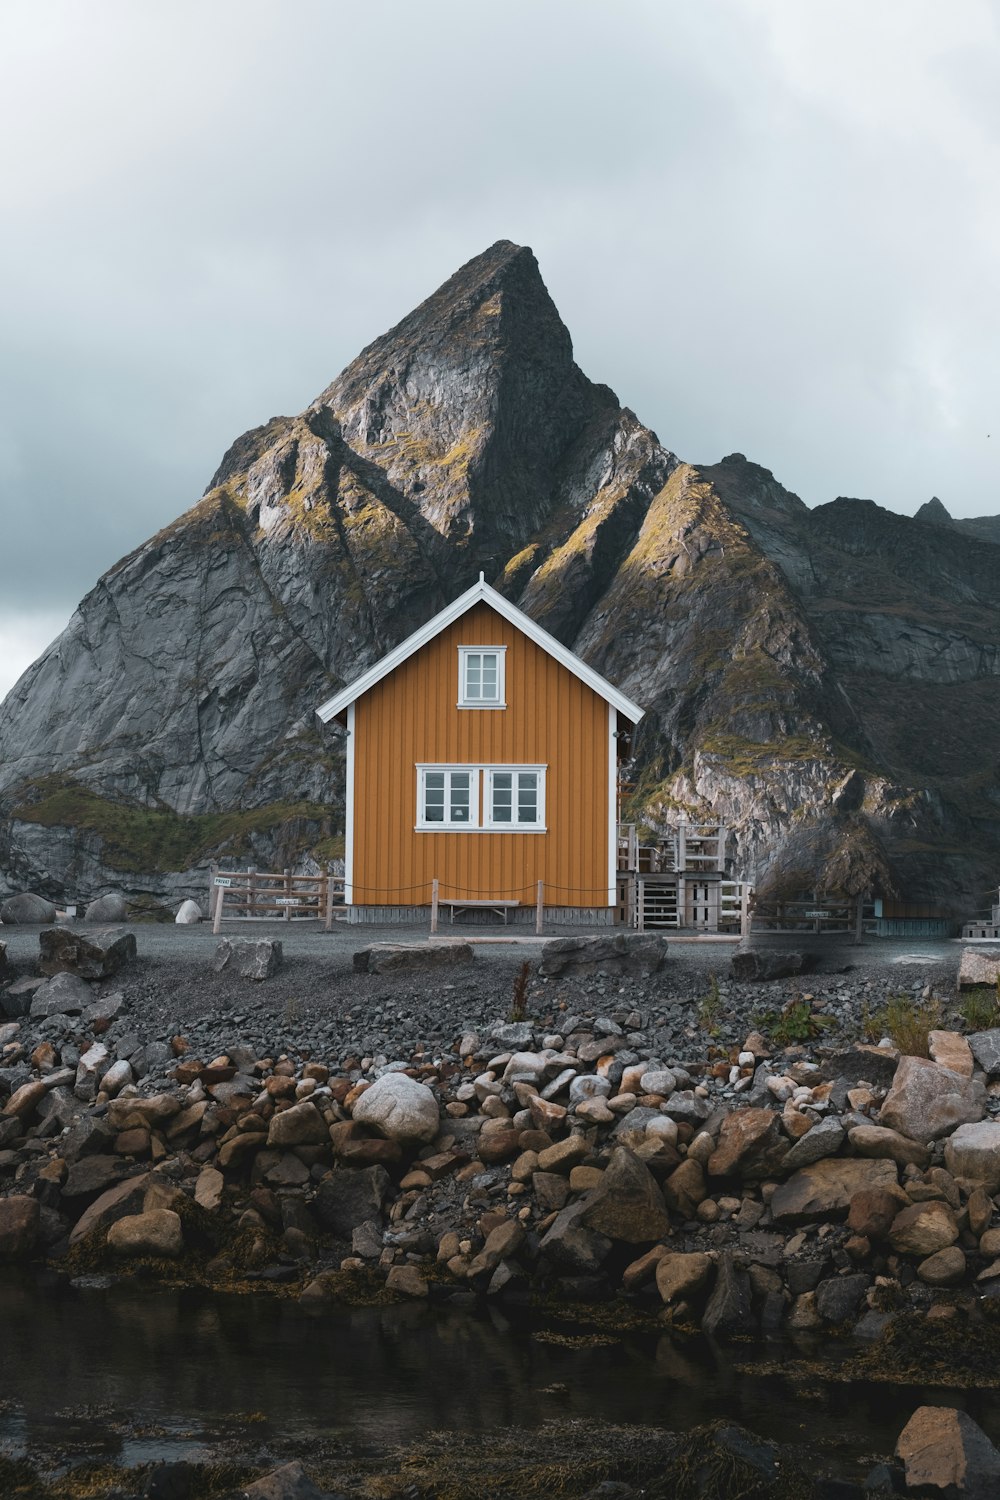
pixel 751 1160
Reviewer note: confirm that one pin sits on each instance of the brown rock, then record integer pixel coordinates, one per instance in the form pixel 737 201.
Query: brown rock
pixel 156 1233
pixel 124 1198
pixel 24 1101
pixel 551 1190
pixel 972 1154
pixel 824 1190
pixel 750 1145
pixel 927 1101
pixel 980 1210
pixel 944 1449
pixel 368 1151
pixel 18 1226
pixel 679 1276
pixel 406 1281
pixel 873 1211
pixel 498 1147
pixel 208 1189
pixel 883 1144
pixel 638 1272
pixel 685 1188
pixel 563 1155
pixel 951 1050
pixel 134 1142
pixel 627 1203
pixel 301 1125
pixel 923 1228
pixel 944 1268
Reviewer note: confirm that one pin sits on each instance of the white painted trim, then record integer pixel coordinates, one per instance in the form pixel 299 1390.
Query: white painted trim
pixel 479 593
pixel 500 701
pixel 349 811
pixel 612 805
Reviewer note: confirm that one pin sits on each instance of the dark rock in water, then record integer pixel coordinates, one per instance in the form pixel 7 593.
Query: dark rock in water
pixel 839 1297
pixel 91 955
pixel 25 909
pixel 290 1482
pixel 725 1459
pixel 755 965
pixel 573 1248
pixel 350 1197
pixel 728 1310
pixel 624 953
pixel 252 958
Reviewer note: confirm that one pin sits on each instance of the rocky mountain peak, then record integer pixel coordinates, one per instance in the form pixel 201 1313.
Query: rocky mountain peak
pixel 934 513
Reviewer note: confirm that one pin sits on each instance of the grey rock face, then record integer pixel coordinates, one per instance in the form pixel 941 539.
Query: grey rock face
pixel 350 1197
pixel 624 953
pixel 110 908
pixel 986 1050
pixel 252 958
pixel 65 994
pixel 759 964
pixel 388 958
pixel 91 955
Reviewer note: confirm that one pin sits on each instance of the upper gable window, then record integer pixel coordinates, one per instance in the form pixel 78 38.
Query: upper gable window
pixel 481 676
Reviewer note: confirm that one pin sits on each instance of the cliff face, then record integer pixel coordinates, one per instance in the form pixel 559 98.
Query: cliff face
pixel 822 679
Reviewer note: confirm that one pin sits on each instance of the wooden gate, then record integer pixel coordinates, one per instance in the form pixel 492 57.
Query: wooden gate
pixel 238 895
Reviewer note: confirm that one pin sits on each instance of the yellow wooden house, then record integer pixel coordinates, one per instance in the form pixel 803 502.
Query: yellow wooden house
pixel 482 759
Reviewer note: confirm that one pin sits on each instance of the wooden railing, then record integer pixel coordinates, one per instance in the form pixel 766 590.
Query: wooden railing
pixel 237 895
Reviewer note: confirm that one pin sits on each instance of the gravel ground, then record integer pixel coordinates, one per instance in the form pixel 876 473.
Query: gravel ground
pixel 318 1006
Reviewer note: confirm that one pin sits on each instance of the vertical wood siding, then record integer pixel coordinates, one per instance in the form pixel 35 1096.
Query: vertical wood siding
pixel 551 719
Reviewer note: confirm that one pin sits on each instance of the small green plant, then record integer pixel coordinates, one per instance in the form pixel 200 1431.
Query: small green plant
pixel 980 1008
pixel 292 1012
pixel 870 1023
pixel 797 1022
pixel 519 1000
pixel 709 1008
pixel 909 1024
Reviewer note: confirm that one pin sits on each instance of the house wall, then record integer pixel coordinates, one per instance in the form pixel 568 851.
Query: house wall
pixel 551 718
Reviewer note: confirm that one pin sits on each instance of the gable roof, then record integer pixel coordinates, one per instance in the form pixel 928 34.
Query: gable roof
pixel 480 593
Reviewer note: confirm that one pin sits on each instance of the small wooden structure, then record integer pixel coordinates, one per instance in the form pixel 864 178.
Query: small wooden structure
pixel 681 881
pixel 240 895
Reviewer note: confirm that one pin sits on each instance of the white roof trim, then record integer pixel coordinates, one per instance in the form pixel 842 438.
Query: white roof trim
pixel 479 593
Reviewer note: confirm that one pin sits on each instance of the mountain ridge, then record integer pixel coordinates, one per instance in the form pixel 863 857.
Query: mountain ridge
pixel 173 719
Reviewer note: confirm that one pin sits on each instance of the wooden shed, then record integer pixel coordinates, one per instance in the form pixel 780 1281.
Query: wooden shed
pixel 482 759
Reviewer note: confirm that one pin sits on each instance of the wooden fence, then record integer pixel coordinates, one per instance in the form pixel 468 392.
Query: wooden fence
pixel 237 895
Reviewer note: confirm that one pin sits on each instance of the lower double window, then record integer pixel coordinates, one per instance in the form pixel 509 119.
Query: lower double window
pixel 495 798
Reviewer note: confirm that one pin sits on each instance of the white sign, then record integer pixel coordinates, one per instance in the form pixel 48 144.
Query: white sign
pixel 288 901
pixel 223 880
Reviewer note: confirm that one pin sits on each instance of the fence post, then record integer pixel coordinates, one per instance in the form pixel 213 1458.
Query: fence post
pixel 213 870
pixel 744 912
pixel 434 904
pixel 288 892
pixel 328 887
pixel 220 893
pixel 859 919
pixel 640 904
pixel 540 908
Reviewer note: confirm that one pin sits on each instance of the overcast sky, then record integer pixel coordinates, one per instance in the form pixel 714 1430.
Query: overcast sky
pixel 772 226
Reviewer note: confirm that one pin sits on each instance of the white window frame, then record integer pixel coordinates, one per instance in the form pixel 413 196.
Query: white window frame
pixel 480 799
pixel 500 652
pixel 447 826
pixel 538 826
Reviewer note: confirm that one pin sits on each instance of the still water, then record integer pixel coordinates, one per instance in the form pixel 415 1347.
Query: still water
pixel 135 1375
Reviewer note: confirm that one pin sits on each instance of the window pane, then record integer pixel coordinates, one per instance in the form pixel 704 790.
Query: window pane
pixel 460 796
pixel 473 674
pixel 527 797
pixel 502 796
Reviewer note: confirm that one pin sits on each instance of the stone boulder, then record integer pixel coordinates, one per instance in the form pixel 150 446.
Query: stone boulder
pixel 975 969
pixel 927 1101
pixel 157 1233
pixel 635 954
pixel 25 909
pixel 15 1000
pixel 349 1197
pixel 923 1228
pixel 627 1203
pixel 399 1108
pixel 880 1141
pixel 19 1218
pixel 252 958
pixel 972 1154
pixel 945 1267
pixel 113 1204
pixel 110 908
pixel 757 965
pixel 729 1311
pixel 290 1482
pixel 951 1050
pixel 301 1125
pixel 751 1145
pixel 681 1276
pixel 91 955
pixel 188 913
pixel 985 1047
pixel 824 1190
pixel 946 1451
pixel 401 958
pixel 824 1139
pixel 64 995
pixel 569 1246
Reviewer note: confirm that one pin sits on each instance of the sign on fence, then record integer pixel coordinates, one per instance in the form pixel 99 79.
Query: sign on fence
pixel 223 880
pixel 263 894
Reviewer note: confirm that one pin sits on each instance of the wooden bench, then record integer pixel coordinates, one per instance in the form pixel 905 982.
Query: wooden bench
pixel 500 907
